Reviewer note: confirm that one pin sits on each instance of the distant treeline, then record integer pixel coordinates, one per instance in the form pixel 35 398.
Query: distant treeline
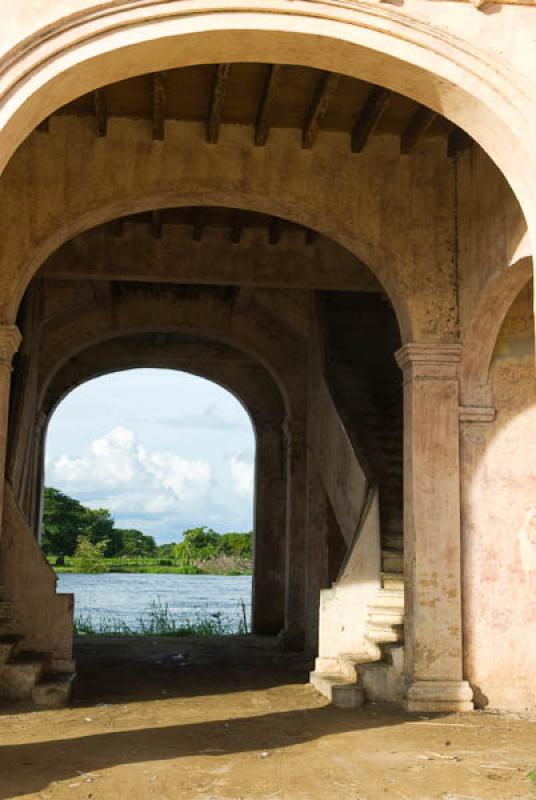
pixel 73 531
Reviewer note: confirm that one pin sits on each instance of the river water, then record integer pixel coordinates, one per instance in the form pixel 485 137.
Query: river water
pixel 128 597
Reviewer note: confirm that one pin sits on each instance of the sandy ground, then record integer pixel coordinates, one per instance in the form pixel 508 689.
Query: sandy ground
pixel 235 719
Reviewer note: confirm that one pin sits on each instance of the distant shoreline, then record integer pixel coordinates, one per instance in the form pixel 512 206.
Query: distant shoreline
pixel 217 566
pixel 149 571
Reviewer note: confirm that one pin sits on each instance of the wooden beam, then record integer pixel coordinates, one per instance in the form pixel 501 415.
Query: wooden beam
pixel 369 117
pixel 199 218
pixel 156 224
pixel 310 236
pixel 101 113
pixel 458 142
pixel 44 125
pixel 274 231
pixel 269 100
pixel 325 90
pixel 116 226
pixel 159 103
pixel 218 101
pixel 416 129
pixel 237 226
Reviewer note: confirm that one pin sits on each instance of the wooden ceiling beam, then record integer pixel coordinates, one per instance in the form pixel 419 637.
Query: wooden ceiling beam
pixel 199 220
pixel 369 117
pixel 237 227
pixel 159 106
pixel 310 236
pixel 266 111
pixel 116 226
pixel 325 90
pixel 101 112
pixel 416 129
pixel 218 102
pixel 156 224
pixel 458 142
pixel 274 230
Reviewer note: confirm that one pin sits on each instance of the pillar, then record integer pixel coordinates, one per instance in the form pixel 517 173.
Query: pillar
pixel 268 602
pixel 36 499
pixel 316 556
pixel 433 613
pixel 10 339
pixel 296 469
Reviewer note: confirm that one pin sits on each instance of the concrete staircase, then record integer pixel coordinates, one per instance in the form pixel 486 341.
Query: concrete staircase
pixel 26 675
pixel 367 386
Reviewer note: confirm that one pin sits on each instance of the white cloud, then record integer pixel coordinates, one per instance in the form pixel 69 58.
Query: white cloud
pixel 242 471
pixel 133 479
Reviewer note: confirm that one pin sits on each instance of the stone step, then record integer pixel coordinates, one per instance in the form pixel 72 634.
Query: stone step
pixel 5 609
pixel 392 561
pixel 54 689
pixel 392 541
pixel 392 580
pixel 388 598
pixel 350 664
pixel 340 691
pixel 393 654
pixel 19 676
pixel 384 682
pixel 383 634
pixel 8 646
pixel 385 615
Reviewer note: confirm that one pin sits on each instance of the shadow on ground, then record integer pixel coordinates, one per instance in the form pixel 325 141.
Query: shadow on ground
pixel 187 678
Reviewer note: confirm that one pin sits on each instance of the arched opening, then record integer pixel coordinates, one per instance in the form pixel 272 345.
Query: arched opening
pixel 162 453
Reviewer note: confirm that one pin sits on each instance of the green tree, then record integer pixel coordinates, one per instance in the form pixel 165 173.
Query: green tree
pixel 239 545
pixel 198 544
pixel 64 521
pixel 99 527
pixel 89 555
pixel 135 543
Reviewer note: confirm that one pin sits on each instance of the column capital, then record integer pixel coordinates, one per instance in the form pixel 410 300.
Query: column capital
pixel 10 340
pixel 432 361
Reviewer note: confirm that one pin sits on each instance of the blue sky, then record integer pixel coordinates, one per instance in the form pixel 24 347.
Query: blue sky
pixel 162 450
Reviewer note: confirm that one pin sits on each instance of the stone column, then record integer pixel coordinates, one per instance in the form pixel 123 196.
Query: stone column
pixel 268 603
pixel 35 511
pixel 433 614
pixel 10 339
pixel 295 430
pixel 316 553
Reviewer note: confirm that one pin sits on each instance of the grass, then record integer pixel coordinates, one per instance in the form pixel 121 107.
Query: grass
pixel 532 777
pixel 159 621
pixel 155 566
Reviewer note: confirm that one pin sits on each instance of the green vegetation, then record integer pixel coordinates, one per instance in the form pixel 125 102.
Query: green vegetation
pixel 159 621
pixel 532 777
pixel 80 539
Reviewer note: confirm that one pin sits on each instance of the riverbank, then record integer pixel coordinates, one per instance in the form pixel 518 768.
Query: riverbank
pixel 159 605
pixel 222 565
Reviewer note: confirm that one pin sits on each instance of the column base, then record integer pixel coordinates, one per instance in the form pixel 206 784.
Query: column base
pixel 439 696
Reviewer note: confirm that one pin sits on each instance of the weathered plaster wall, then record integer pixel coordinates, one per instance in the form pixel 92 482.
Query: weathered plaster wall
pixel 491 229
pixel 44 618
pixel 499 525
pixel 444 55
pixel 393 213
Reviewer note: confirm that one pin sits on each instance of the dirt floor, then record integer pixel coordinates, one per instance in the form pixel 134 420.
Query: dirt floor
pixel 180 719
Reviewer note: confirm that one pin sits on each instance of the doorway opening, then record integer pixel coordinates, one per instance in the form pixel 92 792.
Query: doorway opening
pixel 148 505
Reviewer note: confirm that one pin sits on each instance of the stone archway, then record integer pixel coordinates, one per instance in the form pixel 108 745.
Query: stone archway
pixel 441 70
pixel 254 388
